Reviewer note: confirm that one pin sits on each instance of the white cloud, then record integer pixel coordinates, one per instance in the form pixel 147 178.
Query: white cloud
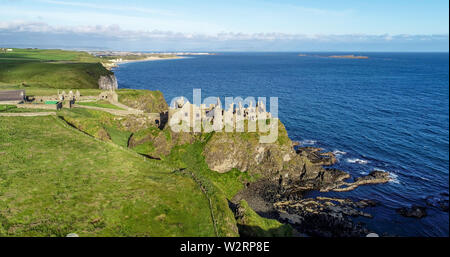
pixel 115 31
pixel 39 34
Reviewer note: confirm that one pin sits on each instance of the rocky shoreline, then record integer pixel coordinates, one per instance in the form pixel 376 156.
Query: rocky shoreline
pixel 285 199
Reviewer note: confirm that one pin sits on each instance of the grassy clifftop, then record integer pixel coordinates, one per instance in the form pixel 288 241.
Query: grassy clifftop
pixel 51 69
pixel 48 55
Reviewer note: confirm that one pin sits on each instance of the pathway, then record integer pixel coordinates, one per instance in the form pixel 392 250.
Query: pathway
pixel 112 111
pixel 27 114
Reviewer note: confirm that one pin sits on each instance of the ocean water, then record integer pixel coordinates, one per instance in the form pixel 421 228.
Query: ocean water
pixel 388 112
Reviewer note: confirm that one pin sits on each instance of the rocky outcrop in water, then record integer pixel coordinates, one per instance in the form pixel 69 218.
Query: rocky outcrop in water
pixel 324 216
pixel 441 201
pixel 316 156
pixel 318 216
pixel 108 82
pixel 413 211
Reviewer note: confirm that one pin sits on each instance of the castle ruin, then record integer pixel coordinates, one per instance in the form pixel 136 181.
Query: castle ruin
pixel 194 116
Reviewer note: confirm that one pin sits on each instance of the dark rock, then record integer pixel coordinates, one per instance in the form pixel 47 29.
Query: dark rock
pixel 413 212
pixel 375 175
pixel 339 185
pixel 366 203
pixel 316 156
pixel 438 202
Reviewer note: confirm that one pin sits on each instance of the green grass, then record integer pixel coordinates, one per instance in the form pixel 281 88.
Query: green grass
pixel 229 183
pixel 53 75
pixel 91 122
pixel 54 180
pixel 101 104
pixel 7 107
pixel 253 225
pixel 118 137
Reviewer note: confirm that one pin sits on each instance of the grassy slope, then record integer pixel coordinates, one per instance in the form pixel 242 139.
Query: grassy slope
pixel 218 187
pixel 146 100
pixel 54 181
pixel 51 69
pixel 188 156
pixel 251 224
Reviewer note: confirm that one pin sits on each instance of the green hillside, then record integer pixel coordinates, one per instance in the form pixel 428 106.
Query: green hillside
pixel 51 69
pixel 54 180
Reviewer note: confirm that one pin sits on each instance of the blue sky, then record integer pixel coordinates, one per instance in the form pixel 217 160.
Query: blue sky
pixel 250 25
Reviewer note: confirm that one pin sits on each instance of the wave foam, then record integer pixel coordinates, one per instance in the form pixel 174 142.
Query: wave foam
pixel 358 161
pixel 339 153
pixel 308 142
pixel 394 178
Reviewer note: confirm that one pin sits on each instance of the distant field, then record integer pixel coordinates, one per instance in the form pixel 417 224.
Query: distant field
pixel 51 69
pixel 48 55
pixel 138 57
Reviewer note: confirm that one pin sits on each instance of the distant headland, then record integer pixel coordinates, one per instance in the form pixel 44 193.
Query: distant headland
pixel 117 57
pixel 351 56
pixel 348 56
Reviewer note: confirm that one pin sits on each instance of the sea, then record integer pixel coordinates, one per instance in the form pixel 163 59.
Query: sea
pixel 388 112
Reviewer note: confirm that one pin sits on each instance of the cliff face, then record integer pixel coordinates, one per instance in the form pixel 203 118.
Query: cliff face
pixel 279 164
pixel 108 82
pixel 225 151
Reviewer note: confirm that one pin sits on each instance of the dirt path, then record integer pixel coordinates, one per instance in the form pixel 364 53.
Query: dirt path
pixel 120 105
pixel 112 111
pixel 27 114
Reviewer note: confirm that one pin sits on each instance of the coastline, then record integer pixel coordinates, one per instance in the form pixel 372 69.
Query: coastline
pixel 148 59
pixel 114 64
